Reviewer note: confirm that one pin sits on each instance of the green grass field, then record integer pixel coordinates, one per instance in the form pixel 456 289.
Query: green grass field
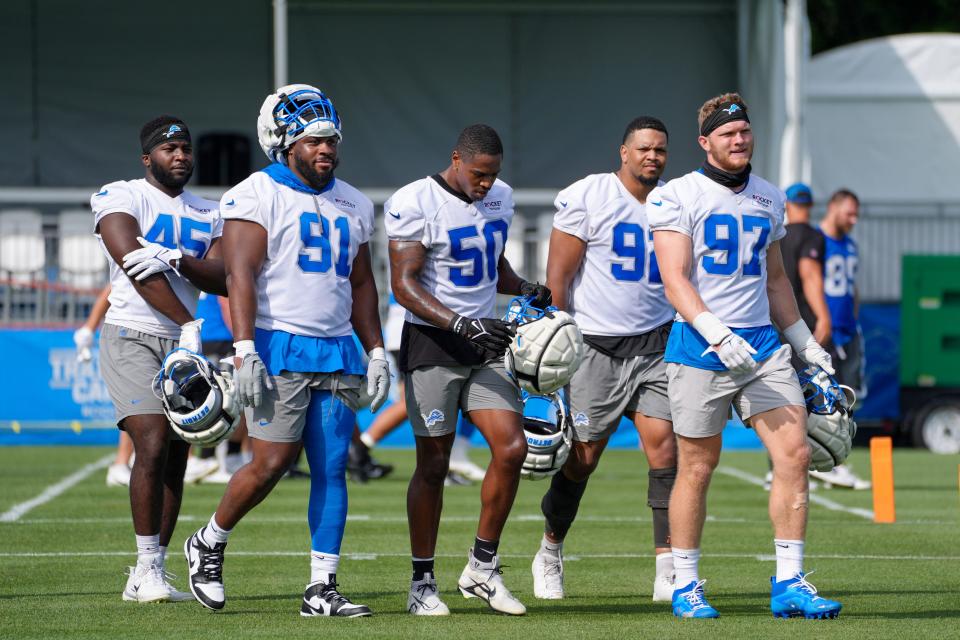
pixel 62 563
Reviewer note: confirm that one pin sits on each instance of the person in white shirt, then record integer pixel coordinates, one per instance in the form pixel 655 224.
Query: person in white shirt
pixel 602 269
pixel 716 233
pixel 447 235
pixel 163 244
pixel 296 245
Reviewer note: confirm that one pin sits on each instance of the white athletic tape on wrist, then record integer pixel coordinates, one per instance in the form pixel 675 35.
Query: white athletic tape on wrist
pixel 710 327
pixel 244 348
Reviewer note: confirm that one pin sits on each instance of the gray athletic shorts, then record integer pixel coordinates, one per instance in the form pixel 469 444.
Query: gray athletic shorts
pixel 700 399
pixel 435 394
pixel 282 414
pixel 604 388
pixel 129 361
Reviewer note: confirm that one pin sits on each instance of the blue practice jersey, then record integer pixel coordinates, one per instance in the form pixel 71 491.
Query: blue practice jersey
pixel 839 286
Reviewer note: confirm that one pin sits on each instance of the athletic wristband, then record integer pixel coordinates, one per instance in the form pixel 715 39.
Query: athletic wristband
pixel 244 348
pixel 710 327
pixel 377 353
pixel 798 334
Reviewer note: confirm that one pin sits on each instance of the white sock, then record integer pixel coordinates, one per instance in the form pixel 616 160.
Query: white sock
pixel 221 454
pixel 686 562
pixel 458 453
pixel 148 549
pixel 368 440
pixel 665 564
pixel 213 533
pixel 323 566
pixel 789 558
pixel 554 549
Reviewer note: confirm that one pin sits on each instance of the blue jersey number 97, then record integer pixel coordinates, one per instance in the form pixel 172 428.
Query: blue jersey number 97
pixel 628 242
pixel 721 233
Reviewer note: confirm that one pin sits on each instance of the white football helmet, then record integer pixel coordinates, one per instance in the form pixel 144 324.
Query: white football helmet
pixel 830 425
pixel 549 434
pixel 293 112
pixel 199 400
pixel 547 349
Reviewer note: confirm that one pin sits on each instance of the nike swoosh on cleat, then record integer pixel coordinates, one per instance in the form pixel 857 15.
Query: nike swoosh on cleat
pixel 231 203
pixel 562 203
pixel 394 215
pixel 102 193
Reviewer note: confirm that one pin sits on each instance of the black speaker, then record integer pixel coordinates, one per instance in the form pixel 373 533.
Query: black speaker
pixel 223 159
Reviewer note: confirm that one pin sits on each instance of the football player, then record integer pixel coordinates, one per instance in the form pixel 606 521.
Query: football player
pixel 717 232
pixel 602 269
pixel 163 244
pixel 300 281
pixel 447 234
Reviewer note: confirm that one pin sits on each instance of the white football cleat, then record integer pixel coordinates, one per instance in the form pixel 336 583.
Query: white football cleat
pixel 548 576
pixel 118 475
pixel 424 600
pixel 146 584
pixel 485 581
pixel 663 587
pixel 199 468
pixel 468 469
pixel 217 477
pixel 205 571
pixel 841 476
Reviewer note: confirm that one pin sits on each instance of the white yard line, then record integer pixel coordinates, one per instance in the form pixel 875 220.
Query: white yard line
pixel 18 510
pixel 814 498
pixel 406 554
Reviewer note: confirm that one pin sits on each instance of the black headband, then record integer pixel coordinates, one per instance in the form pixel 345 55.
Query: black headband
pixel 164 132
pixel 726 112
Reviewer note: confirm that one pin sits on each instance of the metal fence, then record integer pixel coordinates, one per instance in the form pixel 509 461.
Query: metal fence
pixel 51 267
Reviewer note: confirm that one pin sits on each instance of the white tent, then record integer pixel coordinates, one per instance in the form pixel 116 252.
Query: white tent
pixel 883 118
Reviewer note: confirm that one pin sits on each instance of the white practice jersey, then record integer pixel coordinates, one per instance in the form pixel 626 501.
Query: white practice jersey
pixel 304 286
pixel 731 233
pixel 618 290
pixel 464 241
pixel 187 222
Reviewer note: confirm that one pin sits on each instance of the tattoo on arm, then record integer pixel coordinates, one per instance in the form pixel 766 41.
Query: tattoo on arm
pixel 406 264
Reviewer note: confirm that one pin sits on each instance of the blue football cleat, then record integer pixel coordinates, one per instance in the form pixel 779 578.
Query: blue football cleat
pixel 796 598
pixel 690 602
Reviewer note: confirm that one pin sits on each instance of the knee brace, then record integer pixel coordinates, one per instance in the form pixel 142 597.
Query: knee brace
pixel 660 484
pixel 560 504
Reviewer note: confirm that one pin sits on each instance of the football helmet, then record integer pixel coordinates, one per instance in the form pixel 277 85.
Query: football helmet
pixel 199 400
pixel 293 112
pixel 547 349
pixel 830 425
pixel 547 427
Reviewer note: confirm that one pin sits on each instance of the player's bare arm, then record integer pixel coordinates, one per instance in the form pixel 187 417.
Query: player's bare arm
pixel 206 273
pixel 365 316
pixel 507 279
pixel 811 278
pixel 245 249
pixel 563 262
pixel 675 256
pixel 120 232
pixel 783 305
pixel 406 262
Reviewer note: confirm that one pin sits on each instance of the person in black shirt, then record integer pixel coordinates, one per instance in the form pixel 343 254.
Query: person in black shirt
pixel 803 249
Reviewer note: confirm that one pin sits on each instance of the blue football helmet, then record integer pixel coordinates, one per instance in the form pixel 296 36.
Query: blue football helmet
pixel 547 428
pixel 295 111
pixel 830 425
pixel 823 394
pixel 547 349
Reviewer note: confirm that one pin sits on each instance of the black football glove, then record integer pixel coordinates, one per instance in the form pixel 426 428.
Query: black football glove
pixel 542 297
pixel 490 334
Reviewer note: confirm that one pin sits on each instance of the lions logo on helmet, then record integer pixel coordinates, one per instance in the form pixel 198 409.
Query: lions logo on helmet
pixel 547 349
pixel 547 428
pixel 295 111
pixel 199 400
pixel 830 425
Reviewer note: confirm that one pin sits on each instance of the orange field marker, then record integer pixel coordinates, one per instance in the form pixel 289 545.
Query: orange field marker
pixel 881 464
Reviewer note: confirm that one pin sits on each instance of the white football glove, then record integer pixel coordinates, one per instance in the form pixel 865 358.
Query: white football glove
pixel 378 378
pixel 251 376
pixel 83 339
pixel 808 349
pixel 734 352
pixel 190 336
pixel 153 258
